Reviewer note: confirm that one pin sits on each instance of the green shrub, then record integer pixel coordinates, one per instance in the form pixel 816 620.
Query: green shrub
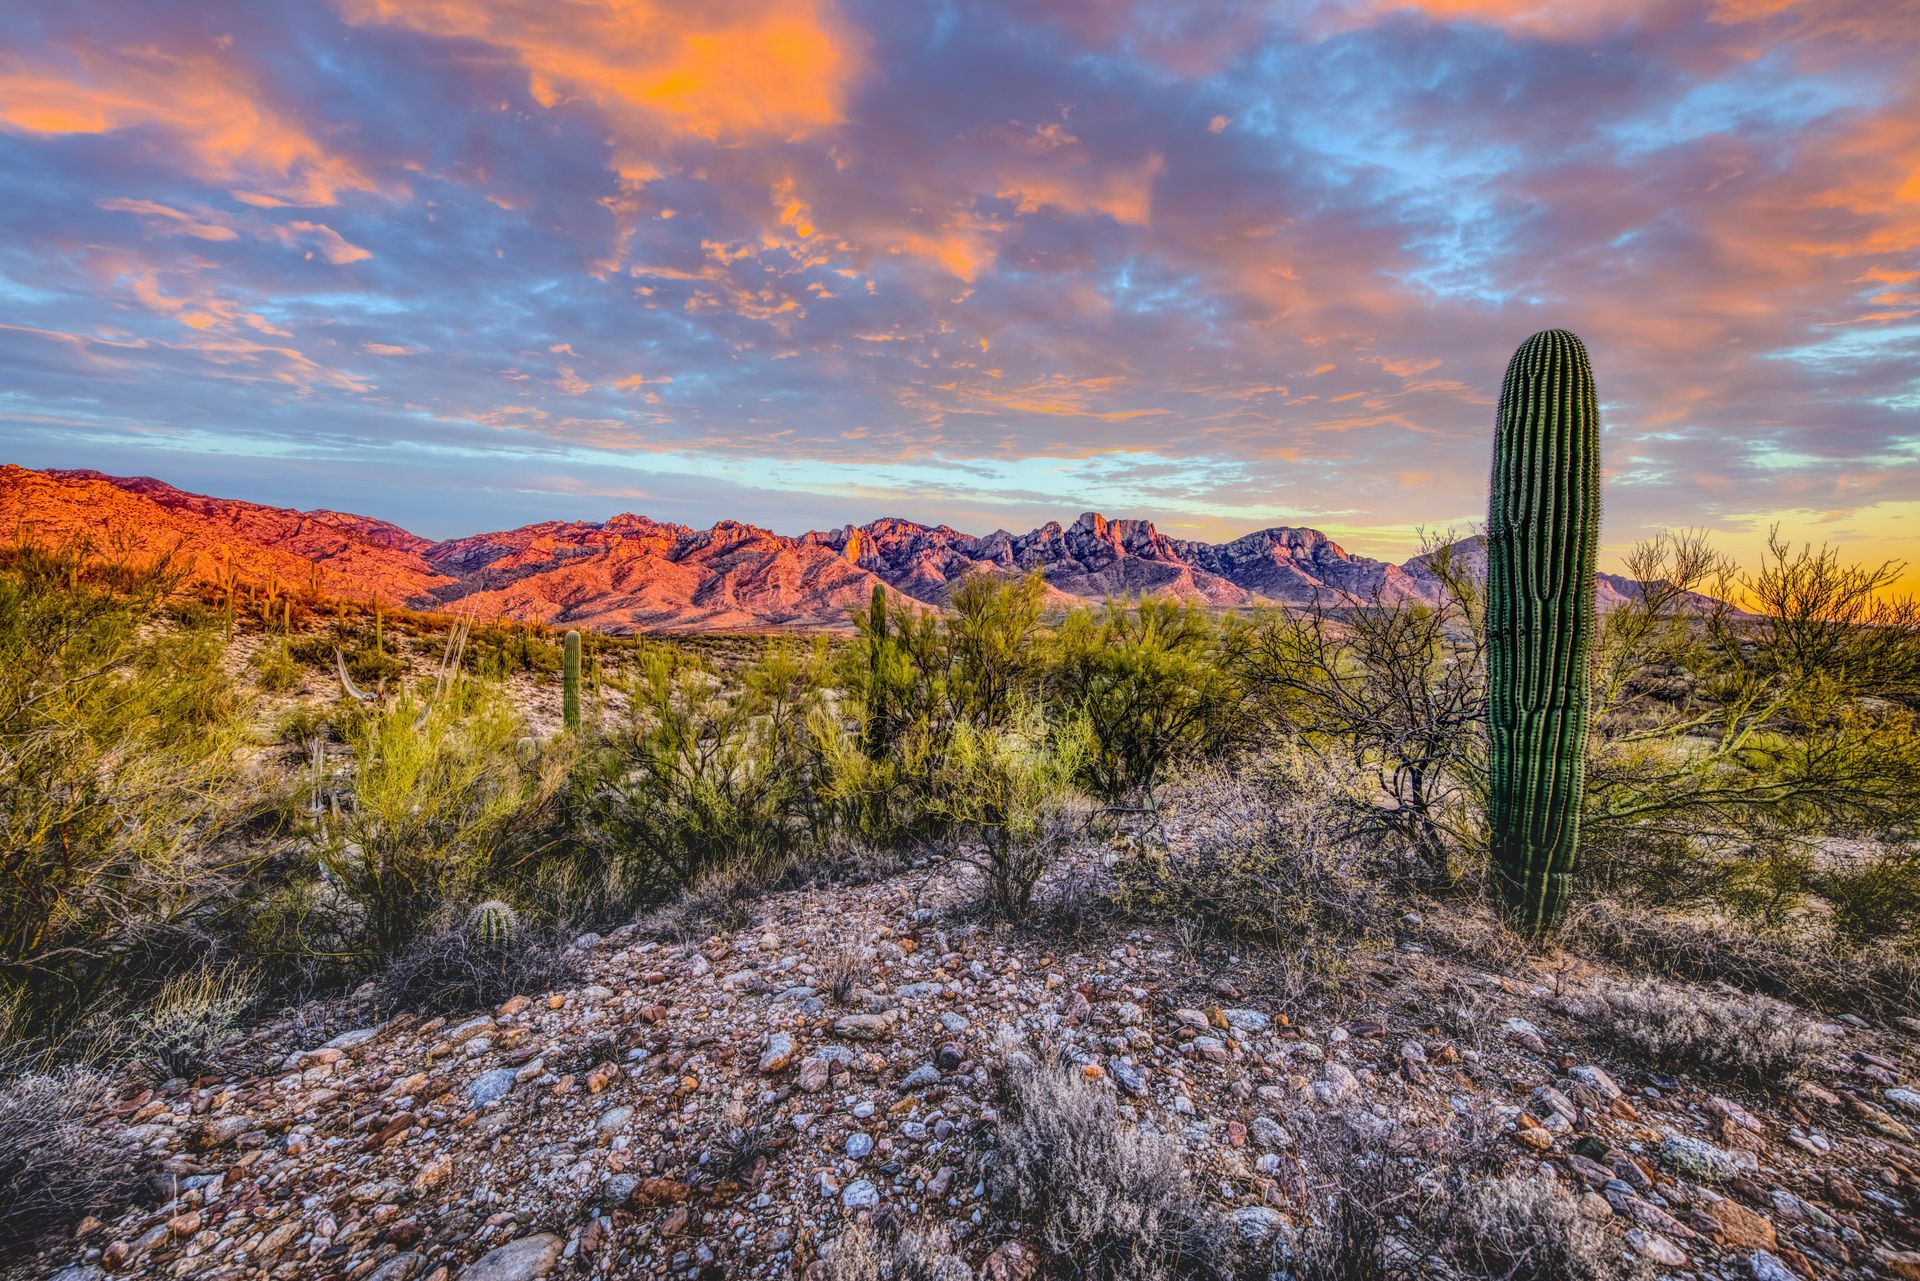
pixel 1148 680
pixel 429 801
pixel 1008 793
pixel 273 667
pixel 121 771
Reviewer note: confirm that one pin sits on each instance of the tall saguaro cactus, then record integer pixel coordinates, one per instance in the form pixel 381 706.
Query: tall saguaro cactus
pixel 570 681
pixel 1543 528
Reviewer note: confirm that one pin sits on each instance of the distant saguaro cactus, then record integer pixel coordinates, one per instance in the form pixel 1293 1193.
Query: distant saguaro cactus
pixel 875 733
pixel 570 681
pixel 492 924
pixel 1543 528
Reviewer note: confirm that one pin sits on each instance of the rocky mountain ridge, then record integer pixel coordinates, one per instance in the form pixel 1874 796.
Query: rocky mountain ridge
pixel 631 573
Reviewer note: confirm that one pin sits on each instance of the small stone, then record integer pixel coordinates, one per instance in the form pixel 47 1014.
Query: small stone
pixel 527 1259
pixel 867 1027
pixel 1247 1020
pixel 490 1087
pixel 1255 1223
pixel 1766 1267
pixel 1742 1228
pixel 861 1194
pixel 1269 1133
pixel 949 1056
pixel 813 1074
pixel 1596 1079
pixel 779 1053
pixel 1656 1247
pixel 1698 1159
pixel 859 1144
pixel 1534 1137
pixel 401 1267
pixel 921 1077
pixel 1336 1085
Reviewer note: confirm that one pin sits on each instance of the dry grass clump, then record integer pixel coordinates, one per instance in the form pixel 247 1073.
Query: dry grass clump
pixel 1749 1038
pixel 1517 1230
pixel 1105 1200
pixel 1258 867
pixel 1383 1199
pixel 450 971
pixel 914 1254
pixel 1876 979
pixel 56 1166
pixel 194 1015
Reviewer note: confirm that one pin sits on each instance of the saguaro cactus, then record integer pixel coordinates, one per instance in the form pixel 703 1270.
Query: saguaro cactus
pixel 570 681
pixel 1543 527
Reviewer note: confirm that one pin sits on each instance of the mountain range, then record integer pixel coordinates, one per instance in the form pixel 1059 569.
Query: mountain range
pixel 631 573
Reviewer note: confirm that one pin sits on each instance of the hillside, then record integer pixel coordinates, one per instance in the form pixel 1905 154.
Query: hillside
pixel 631 573
pixel 703 1103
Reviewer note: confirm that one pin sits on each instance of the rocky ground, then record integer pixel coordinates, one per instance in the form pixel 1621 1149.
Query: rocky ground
pixel 716 1108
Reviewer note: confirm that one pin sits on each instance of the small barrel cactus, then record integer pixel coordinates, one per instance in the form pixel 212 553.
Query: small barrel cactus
pixel 570 681
pixel 527 751
pixel 492 924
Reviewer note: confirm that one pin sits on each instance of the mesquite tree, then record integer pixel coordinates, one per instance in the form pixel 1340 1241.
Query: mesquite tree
pixel 1543 527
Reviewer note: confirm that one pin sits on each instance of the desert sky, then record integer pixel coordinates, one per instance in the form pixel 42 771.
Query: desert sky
pixel 468 263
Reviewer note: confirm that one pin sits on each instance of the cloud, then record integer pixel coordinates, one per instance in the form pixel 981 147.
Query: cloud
pixel 721 72
pixel 204 107
pixel 1230 264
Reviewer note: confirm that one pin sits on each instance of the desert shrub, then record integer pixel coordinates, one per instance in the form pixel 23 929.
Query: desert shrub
pixel 1875 899
pixel 56 1165
pixel 1767 881
pixel 273 667
pixel 429 799
pixel 1389 691
pixel 1008 793
pixel 451 970
pixel 1801 966
pixel 1519 1230
pixel 1104 1199
pixel 1370 1190
pixel 1748 1038
pixel 1274 867
pixel 910 1254
pixel 841 969
pixel 1382 1198
pixel 499 649
pixel 1149 681
pixel 193 1016
pixel 120 772
pixel 372 670
pixel 719 901
pixel 713 772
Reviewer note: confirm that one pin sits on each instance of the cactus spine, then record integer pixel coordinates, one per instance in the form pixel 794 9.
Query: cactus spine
pixel 492 924
pixel 1543 528
pixel 570 681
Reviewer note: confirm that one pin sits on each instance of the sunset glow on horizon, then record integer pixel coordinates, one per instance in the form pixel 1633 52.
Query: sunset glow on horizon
pixel 464 264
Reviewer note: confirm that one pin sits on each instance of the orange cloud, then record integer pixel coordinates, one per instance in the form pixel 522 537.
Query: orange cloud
pixel 171 219
pixel 1073 185
pixel 719 72
pixel 208 112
